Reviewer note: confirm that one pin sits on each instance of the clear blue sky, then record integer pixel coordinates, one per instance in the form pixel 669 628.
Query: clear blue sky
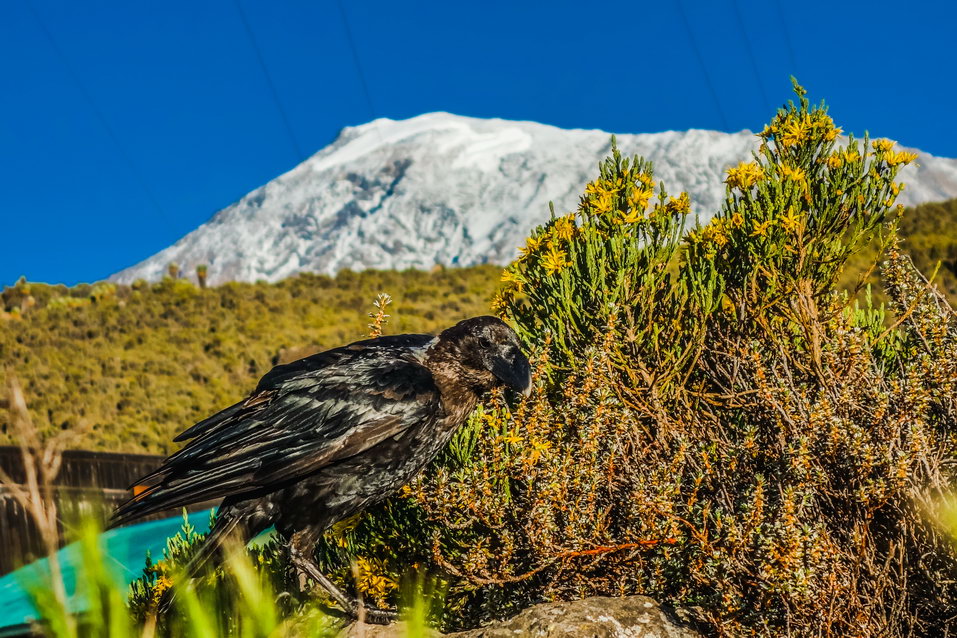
pixel 124 125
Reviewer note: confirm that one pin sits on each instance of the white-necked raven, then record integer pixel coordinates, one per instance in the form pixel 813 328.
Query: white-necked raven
pixel 322 438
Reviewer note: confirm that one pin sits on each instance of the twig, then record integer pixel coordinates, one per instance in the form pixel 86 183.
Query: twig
pixel 41 464
pixel 478 580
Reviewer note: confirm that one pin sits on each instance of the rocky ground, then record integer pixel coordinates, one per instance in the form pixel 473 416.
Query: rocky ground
pixel 598 617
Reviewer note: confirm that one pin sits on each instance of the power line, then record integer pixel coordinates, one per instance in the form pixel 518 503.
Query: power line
pixel 269 82
pixel 750 50
pixel 355 58
pixel 704 69
pixel 787 38
pixel 85 94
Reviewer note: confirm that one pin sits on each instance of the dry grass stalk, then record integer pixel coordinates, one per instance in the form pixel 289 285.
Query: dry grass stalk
pixel 42 457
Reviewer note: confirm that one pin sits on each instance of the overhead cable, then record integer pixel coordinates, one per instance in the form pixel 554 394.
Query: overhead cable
pixel 100 116
pixel 358 63
pixel 704 68
pixel 751 56
pixel 787 38
pixel 269 81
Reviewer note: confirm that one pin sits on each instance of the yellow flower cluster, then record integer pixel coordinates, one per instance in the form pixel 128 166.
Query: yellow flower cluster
pixel 883 145
pixel 600 187
pixel 744 175
pixel 635 191
pixel 791 221
pixel 795 128
pixel 793 174
pixel 603 203
pixel 798 176
pixel 372 582
pixel 538 448
pixel 563 229
pixel 532 244
pixel 645 179
pixel 512 279
pixel 830 131
pixel 601 193
pixel 163 583
pixel 680 205
pixel 639 198
pixel 900 157
pixel 761 229
pixel 840 158
pixel 715 232
pixel 501 301
pixel 631 216
pixel 554 260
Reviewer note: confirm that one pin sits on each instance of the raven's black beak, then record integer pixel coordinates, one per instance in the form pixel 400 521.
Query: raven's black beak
pixel 516 374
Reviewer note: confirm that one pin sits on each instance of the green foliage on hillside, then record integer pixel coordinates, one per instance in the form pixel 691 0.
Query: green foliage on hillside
pixel 929 234
pixel 131 366
pixel 135 364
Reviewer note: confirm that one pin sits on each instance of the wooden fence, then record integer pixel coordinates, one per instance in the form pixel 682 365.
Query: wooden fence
pixel 88 483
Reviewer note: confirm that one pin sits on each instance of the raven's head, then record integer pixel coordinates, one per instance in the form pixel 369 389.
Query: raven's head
pixel 488 345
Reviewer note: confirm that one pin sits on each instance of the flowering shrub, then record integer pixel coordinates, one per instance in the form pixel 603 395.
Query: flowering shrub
pixel 613 255
pixel 714 422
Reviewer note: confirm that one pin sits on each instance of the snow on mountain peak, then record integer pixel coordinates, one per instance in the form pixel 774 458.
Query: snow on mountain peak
pixel 445 189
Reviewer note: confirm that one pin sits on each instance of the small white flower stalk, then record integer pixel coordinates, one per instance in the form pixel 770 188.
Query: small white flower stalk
pixel 379 317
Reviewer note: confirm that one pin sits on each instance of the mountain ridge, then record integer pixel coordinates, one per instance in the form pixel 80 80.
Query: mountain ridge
pixel 446 189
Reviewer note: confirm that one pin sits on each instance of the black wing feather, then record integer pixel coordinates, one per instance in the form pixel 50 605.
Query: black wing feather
pixel 302 417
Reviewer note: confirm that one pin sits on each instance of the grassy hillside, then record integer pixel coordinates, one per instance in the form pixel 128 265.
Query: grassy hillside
pixel 135 365
pixel 929 236
pixel 132 366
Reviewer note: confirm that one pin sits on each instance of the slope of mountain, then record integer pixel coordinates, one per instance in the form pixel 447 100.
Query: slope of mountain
pixel 451 190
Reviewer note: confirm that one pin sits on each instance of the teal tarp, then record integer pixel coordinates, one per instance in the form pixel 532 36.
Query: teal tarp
pixel 126 549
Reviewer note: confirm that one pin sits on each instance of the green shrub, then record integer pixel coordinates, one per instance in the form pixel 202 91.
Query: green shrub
pixel 725 427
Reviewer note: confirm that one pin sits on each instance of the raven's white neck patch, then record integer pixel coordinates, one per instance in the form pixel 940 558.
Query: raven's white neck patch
pixel 421 352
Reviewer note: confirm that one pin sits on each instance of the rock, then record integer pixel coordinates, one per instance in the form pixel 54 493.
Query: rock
pixel 597 617
pixel 397 630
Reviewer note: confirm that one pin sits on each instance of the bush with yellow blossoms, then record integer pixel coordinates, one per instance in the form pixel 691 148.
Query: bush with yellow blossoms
pixel 610 256
pixel 715 422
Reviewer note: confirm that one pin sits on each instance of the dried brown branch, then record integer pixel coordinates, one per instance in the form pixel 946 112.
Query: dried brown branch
pixel 42 458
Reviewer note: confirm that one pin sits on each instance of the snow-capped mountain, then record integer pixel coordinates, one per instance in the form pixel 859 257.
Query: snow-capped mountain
pixel 445 189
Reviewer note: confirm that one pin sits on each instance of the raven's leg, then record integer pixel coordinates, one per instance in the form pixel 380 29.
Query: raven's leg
pixel 301 548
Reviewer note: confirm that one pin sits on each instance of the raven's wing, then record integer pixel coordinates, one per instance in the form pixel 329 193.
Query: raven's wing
pixel 391 345
pixel 302 417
